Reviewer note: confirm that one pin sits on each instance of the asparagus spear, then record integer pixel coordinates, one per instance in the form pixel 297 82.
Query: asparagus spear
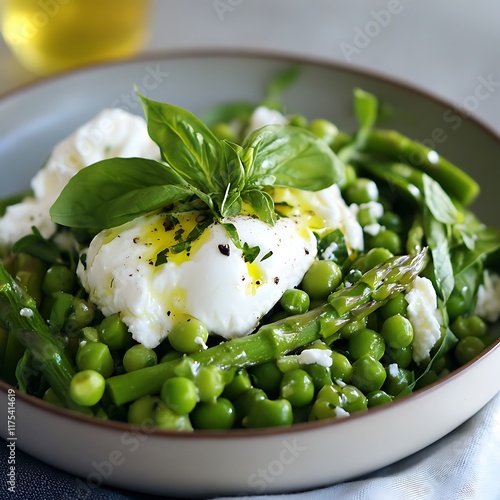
pixel 401 148
pixel 19 314
pixel 277 339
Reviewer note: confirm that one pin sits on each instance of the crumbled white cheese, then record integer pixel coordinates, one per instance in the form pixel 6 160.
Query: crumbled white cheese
pixel 373 229
pixel 26 312
pixel 424 316
pixel 113 132
pixel 263 116
pixel 210 281
pixel 488 297
pixel 340 412
pixel 322 211
pixel 322 357
pixel 375 208
pixel 393 369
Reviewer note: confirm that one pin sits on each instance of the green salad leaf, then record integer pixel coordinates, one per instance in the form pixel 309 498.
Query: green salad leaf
pixel 196 164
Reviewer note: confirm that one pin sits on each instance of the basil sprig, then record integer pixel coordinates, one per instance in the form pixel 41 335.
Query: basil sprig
pixel 195 163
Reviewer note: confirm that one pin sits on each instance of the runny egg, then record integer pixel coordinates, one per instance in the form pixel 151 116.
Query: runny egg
pixel 135 270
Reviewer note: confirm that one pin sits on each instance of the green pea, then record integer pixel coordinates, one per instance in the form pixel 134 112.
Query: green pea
pixel 298 121
pixel 377 398
pixel 114 333
pixel 297 387
pixel 456 305
pixel 387 239
pixel 51 397
pixel 368 374
pixel 219 414
pixel 295 301
pixel 240 383
pixel 269 413
pixel 328 404
pixel 58 279
pixel 87 387
pixel 167 419
pixel 82 315
pixel 398 379
pixel 324 129
pixel 353 326
pixel 141 411
pixel 374 257
pixel 189 335
pixel 322 278
pixel 139 356
pixel 267 376
pixel 469 326
pixel 246 400
pixel 365 216
pixel 341 368
pixel 353 399
pixel 366 341
pixel 89 334
pixel 179 394
pixel 363 190
pixel 391 221
pixel 320 375
pixel 210 383
pixel 95 356
pixel 401 356
pixel 468 348
pixel 170 356
pixel 396 305
pixel 397 331
pixel 224 131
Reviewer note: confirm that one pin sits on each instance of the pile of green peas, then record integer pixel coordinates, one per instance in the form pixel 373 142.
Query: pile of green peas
pixel 370 363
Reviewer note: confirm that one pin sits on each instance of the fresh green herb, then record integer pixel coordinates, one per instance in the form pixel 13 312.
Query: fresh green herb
pixel 195 163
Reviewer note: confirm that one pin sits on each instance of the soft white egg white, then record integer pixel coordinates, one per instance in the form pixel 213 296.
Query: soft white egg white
pixel 210 281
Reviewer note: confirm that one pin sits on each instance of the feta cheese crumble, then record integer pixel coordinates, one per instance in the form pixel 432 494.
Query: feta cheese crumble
pixel 210 281
pixel 488 297
pixel 263 116
pixel 424 316
pixel 113 132
pixel 320 357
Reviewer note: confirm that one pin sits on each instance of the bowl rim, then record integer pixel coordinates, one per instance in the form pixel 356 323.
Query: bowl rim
pixel 277 56
pixel 271 55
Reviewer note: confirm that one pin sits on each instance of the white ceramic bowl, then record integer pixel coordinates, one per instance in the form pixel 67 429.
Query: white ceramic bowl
pixel 33 119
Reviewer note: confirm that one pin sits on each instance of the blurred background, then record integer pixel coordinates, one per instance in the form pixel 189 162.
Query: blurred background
pixel 450 48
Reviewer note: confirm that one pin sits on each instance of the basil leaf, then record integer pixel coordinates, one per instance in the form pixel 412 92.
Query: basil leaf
pixel 185 142
pixel 366 110
pixel 114 191
pixel 262 204
pixel 292 157
pixel 487 241
pixel 231 171
pixel 439 203
pixel 37 246
pixel 278 85
pixel 437 239
pixel 231 204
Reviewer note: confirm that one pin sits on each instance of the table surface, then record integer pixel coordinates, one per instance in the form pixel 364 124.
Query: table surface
pixel 449 48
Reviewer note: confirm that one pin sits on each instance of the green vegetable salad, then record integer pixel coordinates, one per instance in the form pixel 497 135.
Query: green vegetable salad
pixel 346 272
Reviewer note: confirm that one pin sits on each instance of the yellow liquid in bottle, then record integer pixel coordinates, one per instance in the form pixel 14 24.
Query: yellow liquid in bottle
pixel 54 35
